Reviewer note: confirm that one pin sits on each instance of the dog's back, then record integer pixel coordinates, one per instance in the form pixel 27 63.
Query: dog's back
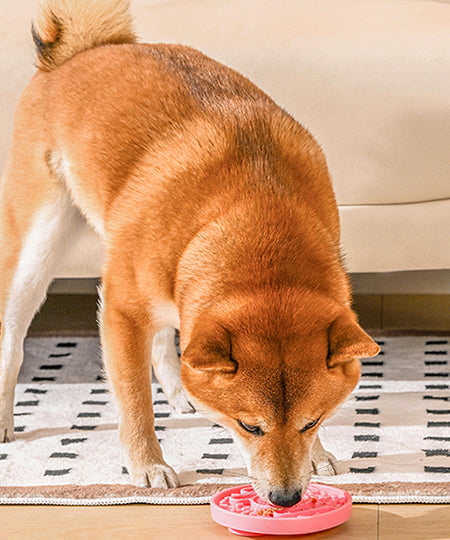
pixel 116 111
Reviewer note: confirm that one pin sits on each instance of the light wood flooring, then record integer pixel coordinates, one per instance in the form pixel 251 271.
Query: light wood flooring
pixel 368 521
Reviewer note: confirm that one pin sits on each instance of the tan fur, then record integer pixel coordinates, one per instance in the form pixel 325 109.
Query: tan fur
pixel 63 28
pixel 210 198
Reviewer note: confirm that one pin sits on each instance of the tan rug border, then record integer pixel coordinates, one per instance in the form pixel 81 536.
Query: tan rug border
pixel 389 489
pixel 114 491
pixel 117 491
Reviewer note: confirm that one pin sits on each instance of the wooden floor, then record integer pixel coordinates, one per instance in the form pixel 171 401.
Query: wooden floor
pixel 368 521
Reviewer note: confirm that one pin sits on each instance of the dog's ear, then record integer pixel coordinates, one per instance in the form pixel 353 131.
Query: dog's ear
pixel 209 350
pixel 347 341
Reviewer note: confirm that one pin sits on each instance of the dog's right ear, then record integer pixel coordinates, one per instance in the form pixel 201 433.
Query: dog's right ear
pixel 209 350
pixel 347 341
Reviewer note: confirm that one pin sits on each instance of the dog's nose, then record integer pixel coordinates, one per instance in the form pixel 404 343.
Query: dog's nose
pixel 285 497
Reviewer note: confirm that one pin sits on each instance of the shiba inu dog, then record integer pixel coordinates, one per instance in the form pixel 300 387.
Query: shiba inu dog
pixel 218 218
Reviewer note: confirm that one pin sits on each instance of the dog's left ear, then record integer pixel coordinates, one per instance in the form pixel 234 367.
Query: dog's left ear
pixel 347 341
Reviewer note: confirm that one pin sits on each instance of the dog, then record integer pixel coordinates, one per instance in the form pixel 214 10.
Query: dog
pixel 218 218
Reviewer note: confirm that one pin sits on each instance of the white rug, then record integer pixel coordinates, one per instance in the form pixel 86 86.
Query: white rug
pixel 391 437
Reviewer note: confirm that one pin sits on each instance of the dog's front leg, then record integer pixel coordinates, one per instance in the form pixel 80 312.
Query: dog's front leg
pixel 126 340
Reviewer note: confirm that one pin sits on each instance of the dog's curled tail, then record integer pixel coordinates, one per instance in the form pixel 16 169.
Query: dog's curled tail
pixel 63 28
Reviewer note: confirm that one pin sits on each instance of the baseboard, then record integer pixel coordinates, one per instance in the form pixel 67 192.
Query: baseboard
pixel 408 311
pixel 77 312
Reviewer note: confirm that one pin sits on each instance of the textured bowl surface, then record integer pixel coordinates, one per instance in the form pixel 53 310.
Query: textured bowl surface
pixel 241 510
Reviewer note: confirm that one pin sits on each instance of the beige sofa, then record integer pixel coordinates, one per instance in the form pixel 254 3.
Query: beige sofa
pixel 370 79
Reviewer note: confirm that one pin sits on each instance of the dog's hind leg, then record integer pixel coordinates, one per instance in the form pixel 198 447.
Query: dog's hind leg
pixel 167 367
pixel 36 220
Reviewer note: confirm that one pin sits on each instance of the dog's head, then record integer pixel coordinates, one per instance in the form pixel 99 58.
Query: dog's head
pixel 271 368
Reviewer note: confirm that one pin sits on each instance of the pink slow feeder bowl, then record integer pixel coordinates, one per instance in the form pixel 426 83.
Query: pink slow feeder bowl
pixel 244 513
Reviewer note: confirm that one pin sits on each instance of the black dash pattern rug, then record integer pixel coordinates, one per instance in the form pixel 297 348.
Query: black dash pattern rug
pixel 391 437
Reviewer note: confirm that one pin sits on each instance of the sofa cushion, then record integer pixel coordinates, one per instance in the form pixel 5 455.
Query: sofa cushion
pixel 369 78
pixel 366 77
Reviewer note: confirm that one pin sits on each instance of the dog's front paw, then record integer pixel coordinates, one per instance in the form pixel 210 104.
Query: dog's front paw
pixel 155 475
pixel 323 462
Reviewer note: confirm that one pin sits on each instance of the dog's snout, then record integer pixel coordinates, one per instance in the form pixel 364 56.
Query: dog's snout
pixel 285 497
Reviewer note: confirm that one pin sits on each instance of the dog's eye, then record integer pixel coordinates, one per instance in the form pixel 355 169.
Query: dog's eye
pixel 309 426
pixel 251 429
